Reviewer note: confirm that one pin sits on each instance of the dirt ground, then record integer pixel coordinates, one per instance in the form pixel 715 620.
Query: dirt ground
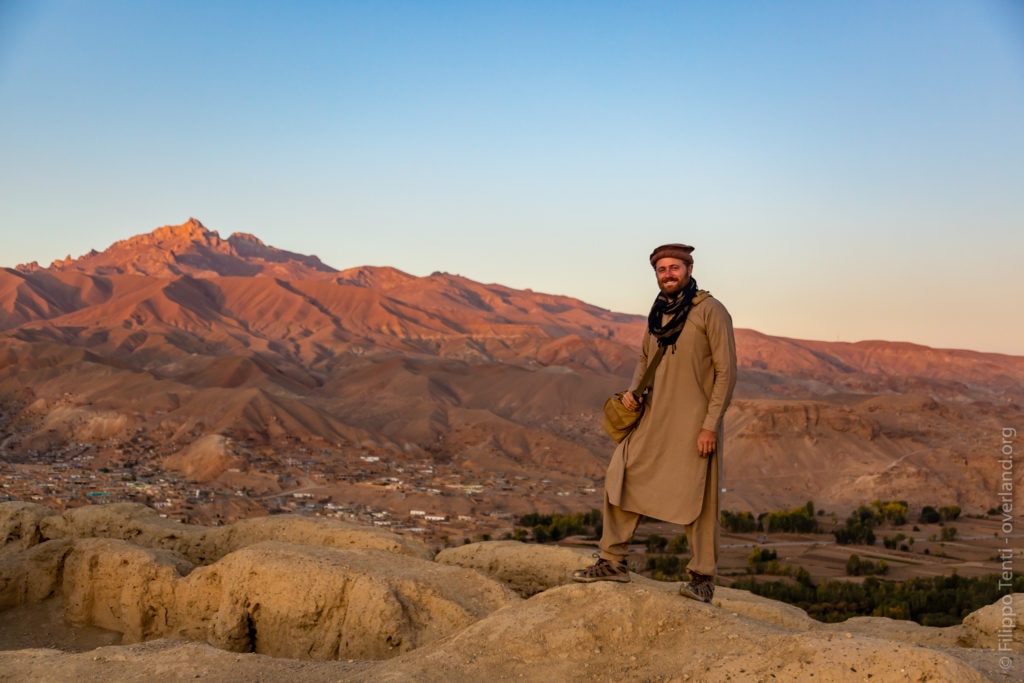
pixel 41 625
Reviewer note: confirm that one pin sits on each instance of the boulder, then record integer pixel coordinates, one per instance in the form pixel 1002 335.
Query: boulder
pixel 527 568
pixel 310 602
pixel 19 525
pixel 997 626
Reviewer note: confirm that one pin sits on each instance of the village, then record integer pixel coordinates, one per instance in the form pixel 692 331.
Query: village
pixel 431 500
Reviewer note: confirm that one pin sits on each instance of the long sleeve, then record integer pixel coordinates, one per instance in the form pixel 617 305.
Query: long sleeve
pixel 641 363
pixel 722 342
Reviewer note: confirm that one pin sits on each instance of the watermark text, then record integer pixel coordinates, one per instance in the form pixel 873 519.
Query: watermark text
pixel 1007 611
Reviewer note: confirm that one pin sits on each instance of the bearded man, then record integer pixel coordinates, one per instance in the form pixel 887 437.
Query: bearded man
pixel 669 466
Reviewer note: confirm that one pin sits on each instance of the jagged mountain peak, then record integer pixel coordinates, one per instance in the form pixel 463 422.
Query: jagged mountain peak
pixel 173 238
pixel 191 249
pixel 193 228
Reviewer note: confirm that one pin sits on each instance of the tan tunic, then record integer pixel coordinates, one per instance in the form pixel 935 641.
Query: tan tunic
pixel 656 470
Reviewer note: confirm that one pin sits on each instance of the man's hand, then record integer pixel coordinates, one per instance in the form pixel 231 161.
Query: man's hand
pixel 630 401
pixel 706 442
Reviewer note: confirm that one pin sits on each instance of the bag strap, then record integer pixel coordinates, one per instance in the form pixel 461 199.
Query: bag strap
pixel 648 379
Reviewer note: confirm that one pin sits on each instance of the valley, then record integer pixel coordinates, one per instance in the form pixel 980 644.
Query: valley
pixel 218 379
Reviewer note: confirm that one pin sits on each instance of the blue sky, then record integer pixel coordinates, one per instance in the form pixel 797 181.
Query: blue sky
pixel 847 170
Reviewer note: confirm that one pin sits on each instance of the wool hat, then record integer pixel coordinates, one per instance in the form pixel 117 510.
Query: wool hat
pixel 679 251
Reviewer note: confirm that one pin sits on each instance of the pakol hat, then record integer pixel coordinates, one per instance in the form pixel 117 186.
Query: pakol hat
pixel 679 251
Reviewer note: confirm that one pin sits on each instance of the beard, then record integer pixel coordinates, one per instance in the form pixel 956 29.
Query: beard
pixel 671 286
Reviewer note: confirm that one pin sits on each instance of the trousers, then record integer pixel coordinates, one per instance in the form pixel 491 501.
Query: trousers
pixel 702 533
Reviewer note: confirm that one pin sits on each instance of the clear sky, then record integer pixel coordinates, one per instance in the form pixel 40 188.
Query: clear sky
pixel 847 170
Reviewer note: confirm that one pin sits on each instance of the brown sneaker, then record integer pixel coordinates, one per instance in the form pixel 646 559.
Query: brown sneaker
pixel 603 570
pixel 699 587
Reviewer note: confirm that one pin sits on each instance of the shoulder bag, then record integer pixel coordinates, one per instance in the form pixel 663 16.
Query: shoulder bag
pixel 619 420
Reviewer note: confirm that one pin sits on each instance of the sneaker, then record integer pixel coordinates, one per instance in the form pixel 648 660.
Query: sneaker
pixel 699 587
pixel 603 570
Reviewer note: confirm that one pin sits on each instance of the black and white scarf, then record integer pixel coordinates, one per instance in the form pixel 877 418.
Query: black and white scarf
pixel 678 307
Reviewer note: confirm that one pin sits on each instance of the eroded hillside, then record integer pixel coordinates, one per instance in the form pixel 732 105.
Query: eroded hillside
pixel 232 366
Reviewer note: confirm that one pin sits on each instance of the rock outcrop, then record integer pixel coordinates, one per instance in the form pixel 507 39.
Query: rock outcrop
pixel 289 598
pixel 144 526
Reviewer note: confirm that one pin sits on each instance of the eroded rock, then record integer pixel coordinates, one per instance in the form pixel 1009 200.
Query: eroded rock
pixel 143 526
pixel 287 598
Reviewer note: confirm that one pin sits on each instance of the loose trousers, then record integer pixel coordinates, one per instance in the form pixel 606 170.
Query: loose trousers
pixel 701 533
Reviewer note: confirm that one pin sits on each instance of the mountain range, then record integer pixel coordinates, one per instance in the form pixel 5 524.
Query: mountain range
pixel 167 339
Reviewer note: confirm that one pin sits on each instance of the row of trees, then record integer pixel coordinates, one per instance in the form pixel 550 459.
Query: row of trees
pixel 802 519
pixel 799 520
pixel 932 601
pixel 665 561
pixel 555 527
pixel 858 527
pixel 858 567
pixel 930 515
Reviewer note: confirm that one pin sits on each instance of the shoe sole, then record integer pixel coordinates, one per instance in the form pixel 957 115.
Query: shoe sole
pixel 588 579
pixel 686 593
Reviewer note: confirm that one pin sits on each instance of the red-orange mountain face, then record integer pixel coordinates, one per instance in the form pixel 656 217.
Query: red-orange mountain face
pixel 166 340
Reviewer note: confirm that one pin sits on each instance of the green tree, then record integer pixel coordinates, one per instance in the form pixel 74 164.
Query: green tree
pixel 797 520
pixel 738 522
pixel 679 545
pixel 859 526
pixel 656 543
pixel 665 567
pixel 803 577
pixel 931 601
pixel 949 513
pixel 555 527
pixel 895 511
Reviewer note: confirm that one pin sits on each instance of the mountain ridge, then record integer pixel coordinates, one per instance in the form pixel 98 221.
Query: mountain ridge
pixel 182 334
pixel 190 248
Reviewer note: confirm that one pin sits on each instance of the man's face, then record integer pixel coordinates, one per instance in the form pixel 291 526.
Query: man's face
pixel 673 274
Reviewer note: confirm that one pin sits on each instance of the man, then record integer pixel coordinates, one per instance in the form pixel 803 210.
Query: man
pixel 668 468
